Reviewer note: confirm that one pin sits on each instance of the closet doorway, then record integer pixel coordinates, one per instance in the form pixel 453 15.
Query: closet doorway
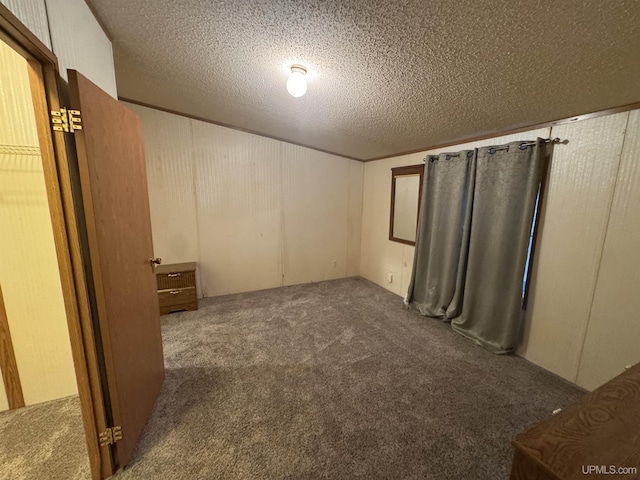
pixel 40 416
pixel 95 183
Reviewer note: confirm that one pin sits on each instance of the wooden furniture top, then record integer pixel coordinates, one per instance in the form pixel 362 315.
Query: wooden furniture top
pixel 603 428
pixel 175 267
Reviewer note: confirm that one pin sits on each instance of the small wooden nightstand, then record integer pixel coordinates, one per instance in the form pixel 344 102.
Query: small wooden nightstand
pixel 177 287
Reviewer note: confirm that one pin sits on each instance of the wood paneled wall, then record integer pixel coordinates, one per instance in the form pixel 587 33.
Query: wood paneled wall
pixel 581 318
pixel 254 212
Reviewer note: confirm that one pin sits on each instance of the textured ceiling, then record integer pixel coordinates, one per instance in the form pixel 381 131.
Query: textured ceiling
pixel 384 77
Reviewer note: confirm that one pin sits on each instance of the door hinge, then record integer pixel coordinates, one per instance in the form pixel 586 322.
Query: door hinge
pixel 64 120
pixel 110 436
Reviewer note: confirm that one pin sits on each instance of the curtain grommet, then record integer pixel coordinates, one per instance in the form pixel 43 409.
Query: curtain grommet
pixel 469 154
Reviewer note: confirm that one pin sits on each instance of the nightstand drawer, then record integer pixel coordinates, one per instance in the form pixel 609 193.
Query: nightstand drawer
pixel 177 287
pixel 176 297
pixel 174 280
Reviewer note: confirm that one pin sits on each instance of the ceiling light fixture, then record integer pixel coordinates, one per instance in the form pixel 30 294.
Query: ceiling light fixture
pixel 297 82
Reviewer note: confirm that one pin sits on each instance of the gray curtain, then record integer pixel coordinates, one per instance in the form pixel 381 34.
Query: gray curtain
pixel 470 255
pixel 443 233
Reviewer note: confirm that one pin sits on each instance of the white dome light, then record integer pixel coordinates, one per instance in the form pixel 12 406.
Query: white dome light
pixel 297 83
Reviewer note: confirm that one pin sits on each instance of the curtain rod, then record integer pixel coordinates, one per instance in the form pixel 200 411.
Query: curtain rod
pixel 548 140
pixel 493 150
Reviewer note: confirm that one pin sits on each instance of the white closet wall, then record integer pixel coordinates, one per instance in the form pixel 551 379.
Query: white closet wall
pixel 29 272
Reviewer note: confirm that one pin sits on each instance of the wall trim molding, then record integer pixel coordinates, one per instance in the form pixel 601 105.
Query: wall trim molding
pixel 19 150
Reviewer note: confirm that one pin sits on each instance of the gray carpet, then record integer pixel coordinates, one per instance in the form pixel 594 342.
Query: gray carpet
pixel 44 441
pixel 334 380
pixel 326 380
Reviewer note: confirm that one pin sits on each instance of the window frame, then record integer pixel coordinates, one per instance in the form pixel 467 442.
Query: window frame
pixel 399 172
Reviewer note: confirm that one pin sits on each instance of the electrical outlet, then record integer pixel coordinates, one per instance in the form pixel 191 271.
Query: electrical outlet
pixel 335 263
pixel 390 277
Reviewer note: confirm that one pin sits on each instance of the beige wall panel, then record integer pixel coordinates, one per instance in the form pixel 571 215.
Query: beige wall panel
pixel 33 14
pixel 17 126
pixel 80 44
pixel 239 202
pixel 354 220
pixel 31 283
pixel 170 175
pixel 247 208
pixel 4 401
pixel 315 206
pixel 379 256
pixel 574 218
pixel 407 267
pixel 29 272
pixel 613 334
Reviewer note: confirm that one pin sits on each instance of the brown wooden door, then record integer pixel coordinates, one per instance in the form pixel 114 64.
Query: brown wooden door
pixel 116 204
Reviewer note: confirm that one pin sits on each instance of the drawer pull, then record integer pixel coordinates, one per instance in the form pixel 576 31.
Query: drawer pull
pixel 174 292
pixel 173 275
